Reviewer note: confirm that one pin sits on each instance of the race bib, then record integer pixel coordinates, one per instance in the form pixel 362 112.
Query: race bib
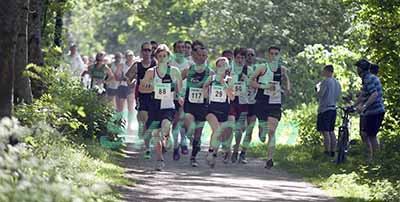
pixel 274 92
pixel 240 88
pixel 218 94
pixel 196 95
pixel 162 91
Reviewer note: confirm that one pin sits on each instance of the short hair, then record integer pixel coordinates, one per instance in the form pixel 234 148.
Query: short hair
pixel 153 42
pixel 100 55
pixel 274 48
pixel 197 43
pixel 363 64
pixel 329 68
pixel 162 47
pixel 250 49
pixel 226 52
pixel 374 69
pixel 189 43
pixel 145 43
pixel 129 52
pixel 239 51
pixel 176 43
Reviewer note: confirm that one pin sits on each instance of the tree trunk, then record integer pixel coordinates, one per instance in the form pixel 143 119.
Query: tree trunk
pixel 22 84
pixel 58 27
pixel 8 38
pixel 35 55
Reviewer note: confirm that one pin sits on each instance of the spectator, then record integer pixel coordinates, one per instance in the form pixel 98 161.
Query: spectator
pixel 328 92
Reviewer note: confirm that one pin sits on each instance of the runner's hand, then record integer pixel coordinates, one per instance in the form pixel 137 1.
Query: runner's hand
pixel 181 101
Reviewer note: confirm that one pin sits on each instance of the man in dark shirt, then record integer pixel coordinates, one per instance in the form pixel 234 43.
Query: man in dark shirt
pixel 370 106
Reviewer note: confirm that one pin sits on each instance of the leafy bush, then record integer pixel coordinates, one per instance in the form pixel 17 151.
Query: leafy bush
pixel 47 168
pixel 66 106
pixel 306 118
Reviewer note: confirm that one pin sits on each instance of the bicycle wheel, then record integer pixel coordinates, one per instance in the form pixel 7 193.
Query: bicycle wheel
pixel 341 155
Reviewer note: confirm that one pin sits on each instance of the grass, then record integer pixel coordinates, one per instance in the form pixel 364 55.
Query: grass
pixel 108 166
pixel 353 181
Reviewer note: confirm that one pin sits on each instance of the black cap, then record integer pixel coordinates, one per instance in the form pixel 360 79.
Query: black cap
pixel 329 68
pixel 363 64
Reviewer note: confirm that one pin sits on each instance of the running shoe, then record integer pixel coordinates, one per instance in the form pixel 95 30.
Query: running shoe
pixel 184 149
pixel 269 164
pixel 147 154
pixel 176 156
pixel 160 165
pixel 234 157
pixel 227 154
pixel 211 159
pixel 193 162
pixel 242 158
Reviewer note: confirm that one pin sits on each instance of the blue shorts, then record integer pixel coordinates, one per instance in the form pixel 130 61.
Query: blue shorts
pixel 143 102
pixel 251 110
pixel 326 121
pixel 111 92
pixel 265 110
pixel 370 124
pixel 197 110
pixel 219 110
pixel 124 91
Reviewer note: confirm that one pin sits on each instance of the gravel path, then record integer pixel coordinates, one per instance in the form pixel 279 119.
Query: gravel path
pixel 232 182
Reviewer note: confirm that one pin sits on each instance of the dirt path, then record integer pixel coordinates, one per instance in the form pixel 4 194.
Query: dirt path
pixel 232 182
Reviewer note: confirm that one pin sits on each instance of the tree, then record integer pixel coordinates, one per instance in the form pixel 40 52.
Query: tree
pixel 22 85
pixel 35 54
pixel 8 37
pixel 376 35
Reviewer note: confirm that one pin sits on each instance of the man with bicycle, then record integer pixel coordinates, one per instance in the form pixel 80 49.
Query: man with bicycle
pixel 328 92
pixel 370 106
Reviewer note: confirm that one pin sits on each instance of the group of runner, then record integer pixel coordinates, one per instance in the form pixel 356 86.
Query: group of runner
pixel 178 92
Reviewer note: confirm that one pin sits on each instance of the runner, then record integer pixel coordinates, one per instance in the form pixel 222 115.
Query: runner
pixel 112 86
pixel 195 106
pixel 220 93
pixel 239 108
pixel 251 116
pixel 154 46
pixel 143 94
pixel 228 54
pixel 268 80
pixel 182 63
pixel 126 86
pixel 188 51
pixel 100 73
pixel 167 82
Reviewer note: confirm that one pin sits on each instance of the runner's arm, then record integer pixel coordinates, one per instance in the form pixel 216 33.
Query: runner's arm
pixel 229 89
pixel 253 78
pixel 110 74
pixel 177 75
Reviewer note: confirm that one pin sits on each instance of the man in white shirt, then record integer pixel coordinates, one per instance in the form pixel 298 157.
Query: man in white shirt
pixel 74 61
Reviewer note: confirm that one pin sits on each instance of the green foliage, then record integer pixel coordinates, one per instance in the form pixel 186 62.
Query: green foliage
pixel 47 167
pixel 307 71
pixel 375 34
pixel 353 181
pixel 306 118
pixel 66 106
pixel 260 24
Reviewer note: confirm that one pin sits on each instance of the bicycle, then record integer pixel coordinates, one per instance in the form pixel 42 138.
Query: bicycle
pixel 343 139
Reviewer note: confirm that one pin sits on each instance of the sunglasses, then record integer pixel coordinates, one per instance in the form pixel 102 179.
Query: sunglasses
pixel 146 50
pixel 250 54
